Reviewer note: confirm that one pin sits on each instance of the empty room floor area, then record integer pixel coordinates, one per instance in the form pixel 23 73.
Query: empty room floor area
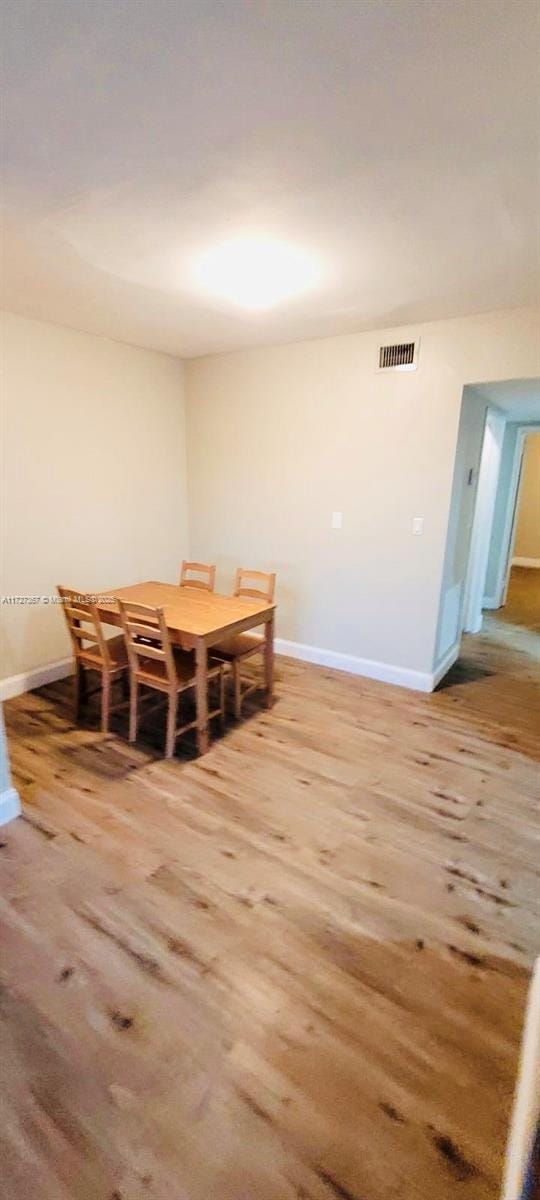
pixel 295 967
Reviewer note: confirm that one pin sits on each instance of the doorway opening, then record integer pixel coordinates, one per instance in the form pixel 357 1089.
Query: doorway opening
pixel 490 578
pixel 503 574
pixel 519 585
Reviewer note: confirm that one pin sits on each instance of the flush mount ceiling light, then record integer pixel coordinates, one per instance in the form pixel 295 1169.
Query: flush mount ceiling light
pixel 256 272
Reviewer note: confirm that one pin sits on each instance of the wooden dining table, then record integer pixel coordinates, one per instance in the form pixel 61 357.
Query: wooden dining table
pixel 198 620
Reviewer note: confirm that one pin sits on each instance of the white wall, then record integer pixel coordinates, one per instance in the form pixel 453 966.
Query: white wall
pixel 93 475
pixel 526 1107
pixel 486 493
pixel 10 805
pixel 462 508
pixel 279 437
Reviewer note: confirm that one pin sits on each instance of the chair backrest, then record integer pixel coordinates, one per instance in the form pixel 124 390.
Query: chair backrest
pixel 146 636
pixel 191 569
pixel 260 585
pixel 84 626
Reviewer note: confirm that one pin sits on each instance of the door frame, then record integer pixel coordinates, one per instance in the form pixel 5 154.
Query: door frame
pixel 484 511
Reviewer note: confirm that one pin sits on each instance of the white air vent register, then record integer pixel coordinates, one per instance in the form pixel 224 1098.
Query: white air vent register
pixel 400 357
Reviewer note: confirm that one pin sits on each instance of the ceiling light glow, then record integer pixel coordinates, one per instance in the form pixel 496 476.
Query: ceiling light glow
pixel 256 273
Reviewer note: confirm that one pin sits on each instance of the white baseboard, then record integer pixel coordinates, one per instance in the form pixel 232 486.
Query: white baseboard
pixel 491 602
pixel 526 562
pixel 419 681
pixel 15 685
pixel 10 805
pixel 448 661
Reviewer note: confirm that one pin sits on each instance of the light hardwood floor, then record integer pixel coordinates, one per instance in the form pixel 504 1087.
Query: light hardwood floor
pixel 294 969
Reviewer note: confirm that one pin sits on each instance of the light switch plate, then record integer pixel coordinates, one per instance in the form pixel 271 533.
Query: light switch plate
pixel 337 520
pixel 418 525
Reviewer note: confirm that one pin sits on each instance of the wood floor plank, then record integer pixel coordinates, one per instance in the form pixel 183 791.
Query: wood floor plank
pixel 294 969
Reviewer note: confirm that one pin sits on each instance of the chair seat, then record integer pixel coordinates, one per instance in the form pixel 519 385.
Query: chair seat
pixel 153 671
pixel 117 652
pixel 238 645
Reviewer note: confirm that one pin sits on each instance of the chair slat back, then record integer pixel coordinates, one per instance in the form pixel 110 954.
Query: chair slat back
pixel 189 572
pixel 84 625
pixel 259 585
pixel 147 637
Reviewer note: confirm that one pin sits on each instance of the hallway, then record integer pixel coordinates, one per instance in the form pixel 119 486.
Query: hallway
pixel 522 608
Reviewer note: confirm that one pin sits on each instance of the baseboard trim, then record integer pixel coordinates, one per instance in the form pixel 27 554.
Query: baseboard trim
pixel 15 685
pixel 526 562
pixel 10 805
pixel 491 602
pixel 448 661
pixel 418 681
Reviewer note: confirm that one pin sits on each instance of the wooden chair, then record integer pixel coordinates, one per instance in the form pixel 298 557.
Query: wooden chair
pixel 107 656
pixel 189 569
pixel 258 585
pixel 155 663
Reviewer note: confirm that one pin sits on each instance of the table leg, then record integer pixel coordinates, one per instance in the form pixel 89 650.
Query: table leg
pixel 201 694
pixel 269 661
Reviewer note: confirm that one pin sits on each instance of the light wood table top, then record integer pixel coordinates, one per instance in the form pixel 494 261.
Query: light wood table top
pixel 189 612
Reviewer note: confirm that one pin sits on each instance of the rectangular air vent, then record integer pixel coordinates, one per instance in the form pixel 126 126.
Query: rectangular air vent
pixel 400 357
